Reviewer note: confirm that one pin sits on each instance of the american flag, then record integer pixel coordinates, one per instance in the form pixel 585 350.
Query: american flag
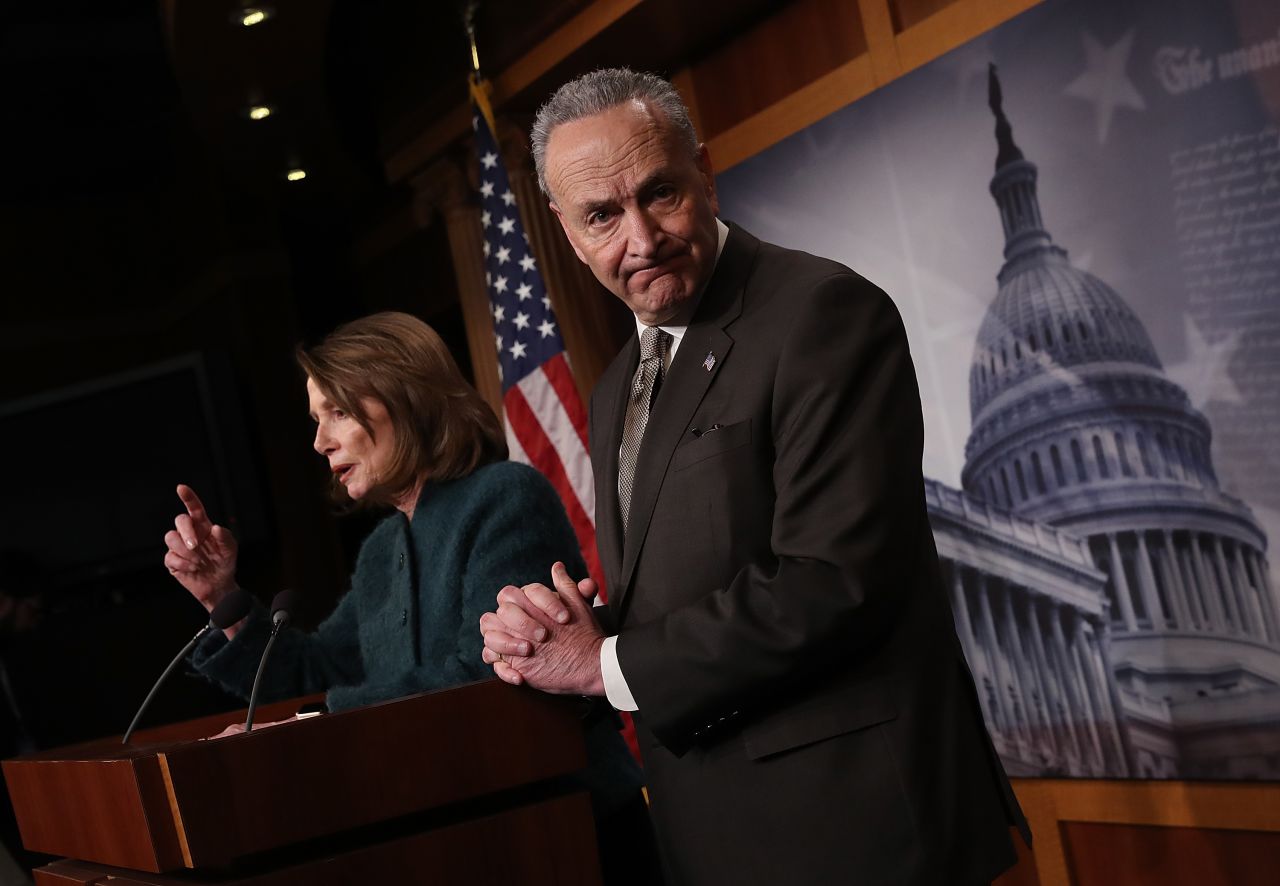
pixel 545 422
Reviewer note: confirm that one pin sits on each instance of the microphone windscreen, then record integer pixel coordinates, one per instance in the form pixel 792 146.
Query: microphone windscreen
pixel 231 608
pixel 283 604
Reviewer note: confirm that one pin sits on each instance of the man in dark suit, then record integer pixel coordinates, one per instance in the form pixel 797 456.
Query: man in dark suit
pixel 777 619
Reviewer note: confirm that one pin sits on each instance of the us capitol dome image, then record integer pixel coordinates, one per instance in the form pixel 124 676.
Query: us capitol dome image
pixel 1114 603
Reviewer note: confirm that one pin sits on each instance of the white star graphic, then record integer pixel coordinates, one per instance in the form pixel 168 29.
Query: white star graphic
pixel 498 340
pixel 504 255
pixel 475 121
pixel 500 285
pixel 547 328
pixel 485 247
pixel 499 312
pixel 489 160
pixel 527 264
pixel 508 198
pixel 486 218
pixel 517 350
pixel 525 291
pixel 1104 81
pixel 486 189
pixel 1204 373
pixel 546 302
pixel 521 320
pixel 507 225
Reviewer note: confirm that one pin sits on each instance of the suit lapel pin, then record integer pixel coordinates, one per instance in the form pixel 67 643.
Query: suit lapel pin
pixel 709 362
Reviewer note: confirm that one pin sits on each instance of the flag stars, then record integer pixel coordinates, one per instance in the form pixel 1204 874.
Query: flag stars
pixel 499 312
pixel 500 285
pixel 498 341
pixel 508 198
pixel 521 320
pixel 547 328
pixel 486 248
pixel 489 160
pixel 517 350
pixel 527 264
pixel 546 302
pixel 486 218
pixel 504 255
pixel 507 225
pixel 486 188
pixel 525 291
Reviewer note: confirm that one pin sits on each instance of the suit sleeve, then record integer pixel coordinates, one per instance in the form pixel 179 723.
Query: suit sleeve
pixel 847 439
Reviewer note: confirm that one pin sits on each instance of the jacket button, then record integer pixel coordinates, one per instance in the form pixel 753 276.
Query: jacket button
pixel 404 616
pixel 400 565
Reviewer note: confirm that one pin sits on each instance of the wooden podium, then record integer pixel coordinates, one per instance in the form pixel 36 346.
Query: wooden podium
pixel 463 785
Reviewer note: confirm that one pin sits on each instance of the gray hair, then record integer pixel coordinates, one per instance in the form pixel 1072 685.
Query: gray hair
pixel 599 91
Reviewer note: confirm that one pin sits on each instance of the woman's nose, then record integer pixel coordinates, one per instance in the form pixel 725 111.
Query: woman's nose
pixel 323 444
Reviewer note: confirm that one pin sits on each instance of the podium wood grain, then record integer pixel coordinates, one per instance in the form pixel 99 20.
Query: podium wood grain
pixel 170 801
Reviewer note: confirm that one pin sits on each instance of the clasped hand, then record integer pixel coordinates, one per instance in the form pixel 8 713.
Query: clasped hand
pixel 546 638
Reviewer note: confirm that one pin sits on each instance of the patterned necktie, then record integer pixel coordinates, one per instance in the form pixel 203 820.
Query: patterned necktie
pixel 654 344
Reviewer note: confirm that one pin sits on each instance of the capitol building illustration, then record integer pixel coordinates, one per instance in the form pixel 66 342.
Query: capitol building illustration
pixel 1115 605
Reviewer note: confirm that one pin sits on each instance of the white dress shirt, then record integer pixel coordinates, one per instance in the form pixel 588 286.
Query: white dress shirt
pixel 615 685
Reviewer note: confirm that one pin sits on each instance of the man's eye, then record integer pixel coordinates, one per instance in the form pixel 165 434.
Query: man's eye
pixel 664 192
pixel 599 217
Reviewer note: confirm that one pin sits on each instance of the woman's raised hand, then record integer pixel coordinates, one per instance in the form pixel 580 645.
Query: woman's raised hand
pixel 201 556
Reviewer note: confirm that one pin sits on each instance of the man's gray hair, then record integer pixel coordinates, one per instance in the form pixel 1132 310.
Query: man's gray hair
pixel 599 91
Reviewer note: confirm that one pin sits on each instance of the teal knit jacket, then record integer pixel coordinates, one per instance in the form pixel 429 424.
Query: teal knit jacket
pixel 410 621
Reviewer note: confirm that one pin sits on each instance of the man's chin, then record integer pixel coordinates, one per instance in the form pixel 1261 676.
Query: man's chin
pixel 657 308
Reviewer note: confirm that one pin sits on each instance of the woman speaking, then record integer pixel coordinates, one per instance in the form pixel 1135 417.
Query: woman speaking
pixel 401 428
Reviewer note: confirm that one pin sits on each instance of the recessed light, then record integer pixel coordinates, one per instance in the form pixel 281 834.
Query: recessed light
pixel 253 15
pixel 259 112
pixel 296 175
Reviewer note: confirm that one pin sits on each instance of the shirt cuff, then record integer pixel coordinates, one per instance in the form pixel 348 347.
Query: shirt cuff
pixel 615 685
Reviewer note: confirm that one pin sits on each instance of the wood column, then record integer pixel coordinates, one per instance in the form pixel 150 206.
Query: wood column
pixel 444 188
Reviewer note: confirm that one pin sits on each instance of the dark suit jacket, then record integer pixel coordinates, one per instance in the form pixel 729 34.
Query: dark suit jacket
pixel 806 715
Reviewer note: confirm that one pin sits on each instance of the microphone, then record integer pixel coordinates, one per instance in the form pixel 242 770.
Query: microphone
pixel 281 606
pixel 230 609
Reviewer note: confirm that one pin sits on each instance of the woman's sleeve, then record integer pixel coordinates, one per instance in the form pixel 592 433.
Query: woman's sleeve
pixel 300 663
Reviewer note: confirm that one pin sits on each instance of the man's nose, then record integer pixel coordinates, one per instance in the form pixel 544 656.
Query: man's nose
pixel 644 233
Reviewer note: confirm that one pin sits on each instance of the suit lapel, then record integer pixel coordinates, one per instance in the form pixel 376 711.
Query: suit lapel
pixel 685 384
pixel 606 438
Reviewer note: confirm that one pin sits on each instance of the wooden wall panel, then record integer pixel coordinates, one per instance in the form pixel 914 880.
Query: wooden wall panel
pixel 1137 855
pixel 791 49
pixel 906 13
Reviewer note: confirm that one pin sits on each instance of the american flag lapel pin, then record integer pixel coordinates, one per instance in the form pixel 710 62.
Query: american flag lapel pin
pixel 709 362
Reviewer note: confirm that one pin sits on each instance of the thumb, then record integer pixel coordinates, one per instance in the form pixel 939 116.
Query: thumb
pixel 568 589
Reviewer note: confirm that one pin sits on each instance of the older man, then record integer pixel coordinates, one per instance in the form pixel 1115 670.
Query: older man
pixel 777 620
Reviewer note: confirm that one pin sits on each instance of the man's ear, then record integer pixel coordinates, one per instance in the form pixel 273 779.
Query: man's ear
pixel 568 234
pixel 703 161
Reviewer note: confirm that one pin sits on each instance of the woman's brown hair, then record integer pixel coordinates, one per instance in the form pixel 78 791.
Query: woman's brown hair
pixel 443 428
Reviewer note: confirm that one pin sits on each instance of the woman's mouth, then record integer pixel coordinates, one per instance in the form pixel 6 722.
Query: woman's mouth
pixel 342 472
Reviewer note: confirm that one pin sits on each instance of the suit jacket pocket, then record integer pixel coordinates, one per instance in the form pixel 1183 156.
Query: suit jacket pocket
pixel 712 442
pixel 834 714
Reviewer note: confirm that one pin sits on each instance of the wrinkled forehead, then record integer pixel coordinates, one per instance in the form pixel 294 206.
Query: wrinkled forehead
pixel 609 153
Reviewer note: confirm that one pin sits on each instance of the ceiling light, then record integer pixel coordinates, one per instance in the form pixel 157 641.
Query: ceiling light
pixel 259 112
pixel 296 175
pixel 253 15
